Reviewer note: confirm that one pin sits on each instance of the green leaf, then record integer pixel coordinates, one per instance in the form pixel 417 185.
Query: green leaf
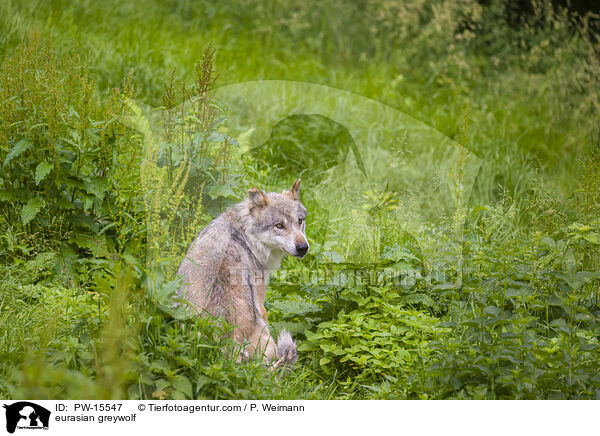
pixel 518 292
pixel 184 361
pixel 96 187
pixel 178 395
pixel 307 346
pixel 160 366
pixel 324 361
pixel 183 385
pixel 217 191
pixel 84 221
pixel 31 209
pixel 8 196
pixel 161 384
pixel 202 380
pixel 298 306
pixel 592 237
pixel 41 171
pixel 64 203
pixel 492 310
pixel 294 327
pixel 19 148
pixel 333 256
pixel 547 240
pixel 423 299
pixel 313 336
pixel 83 241
pixel 584 277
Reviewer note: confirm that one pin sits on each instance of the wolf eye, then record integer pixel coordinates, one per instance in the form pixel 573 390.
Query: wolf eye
pixel 300 221
pixel 279 225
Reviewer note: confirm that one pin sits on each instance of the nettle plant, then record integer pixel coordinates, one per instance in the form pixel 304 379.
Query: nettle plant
pixel 525 323
pixel 373 328
pixel 68 171
pixel 380 340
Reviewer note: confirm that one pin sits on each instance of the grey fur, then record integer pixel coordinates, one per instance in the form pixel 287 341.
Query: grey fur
pixel 252 299
pixel 287 354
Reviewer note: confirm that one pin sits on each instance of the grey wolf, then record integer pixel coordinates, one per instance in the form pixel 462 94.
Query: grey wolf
pixel 227 268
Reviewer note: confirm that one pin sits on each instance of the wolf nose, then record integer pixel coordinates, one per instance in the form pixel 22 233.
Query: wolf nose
pixel 301 249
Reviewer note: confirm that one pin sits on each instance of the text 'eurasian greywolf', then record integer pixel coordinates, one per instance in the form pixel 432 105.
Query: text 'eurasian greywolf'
pixel 227 268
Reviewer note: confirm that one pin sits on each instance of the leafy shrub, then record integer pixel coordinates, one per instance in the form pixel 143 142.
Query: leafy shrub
pixel 379 341
pixel 67 158
pixel 514 312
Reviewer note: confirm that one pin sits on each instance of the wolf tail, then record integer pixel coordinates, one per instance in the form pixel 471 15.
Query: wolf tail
pixel 286 350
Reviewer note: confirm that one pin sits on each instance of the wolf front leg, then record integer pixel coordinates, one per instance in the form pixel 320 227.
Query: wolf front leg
pixel 263 313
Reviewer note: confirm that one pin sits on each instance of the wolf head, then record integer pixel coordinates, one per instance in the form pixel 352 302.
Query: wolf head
pixel 279 220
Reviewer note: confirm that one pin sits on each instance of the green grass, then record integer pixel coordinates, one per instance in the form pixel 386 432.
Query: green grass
pixel 500 302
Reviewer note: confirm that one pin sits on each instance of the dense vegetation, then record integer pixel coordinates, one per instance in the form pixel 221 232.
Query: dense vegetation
pixel 499 300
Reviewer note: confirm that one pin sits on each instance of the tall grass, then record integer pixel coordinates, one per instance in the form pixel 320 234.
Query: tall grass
pixel 500 303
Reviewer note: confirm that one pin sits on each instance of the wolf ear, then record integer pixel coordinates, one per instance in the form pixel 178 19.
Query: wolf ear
pixel 257 197
pixel 295 191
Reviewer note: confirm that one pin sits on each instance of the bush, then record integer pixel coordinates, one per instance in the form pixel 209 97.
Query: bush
pixel 69 165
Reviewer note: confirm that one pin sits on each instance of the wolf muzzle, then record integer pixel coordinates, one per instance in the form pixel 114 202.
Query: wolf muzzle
pixel 301 249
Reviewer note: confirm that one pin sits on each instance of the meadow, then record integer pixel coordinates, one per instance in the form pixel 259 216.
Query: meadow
pixel 450 163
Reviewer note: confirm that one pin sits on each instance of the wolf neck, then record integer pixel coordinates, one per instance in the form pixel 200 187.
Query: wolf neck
pixel 268 259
